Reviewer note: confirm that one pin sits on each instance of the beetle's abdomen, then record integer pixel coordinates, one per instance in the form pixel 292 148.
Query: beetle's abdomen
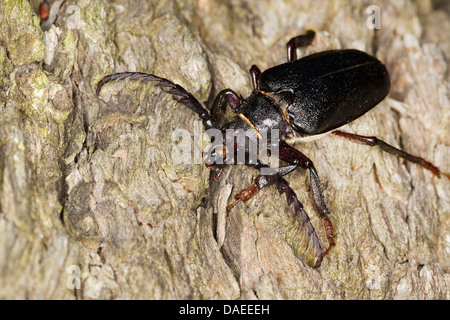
pixel 328 89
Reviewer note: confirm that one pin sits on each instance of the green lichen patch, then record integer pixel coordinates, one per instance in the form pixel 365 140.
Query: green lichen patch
pixel 20 32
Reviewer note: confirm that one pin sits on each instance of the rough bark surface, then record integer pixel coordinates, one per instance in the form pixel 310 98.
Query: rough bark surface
pixel 89 191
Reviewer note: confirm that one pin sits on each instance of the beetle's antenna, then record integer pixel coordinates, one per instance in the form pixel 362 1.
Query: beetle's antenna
pixel 179 93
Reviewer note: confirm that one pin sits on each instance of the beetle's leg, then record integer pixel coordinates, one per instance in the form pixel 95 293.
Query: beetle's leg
pixel 374 141
pixel 217 171
pixel 283 187
pixel 225 97
pixel 255 73
pixel 295 157
pixel 179 93
pixel 303 40
pixel 251 189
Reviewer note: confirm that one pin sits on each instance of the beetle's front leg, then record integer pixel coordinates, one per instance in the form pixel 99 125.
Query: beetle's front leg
pixel 251 189
pixel 374 141
pixel 303 40
pixel 255 72
pixel 224 98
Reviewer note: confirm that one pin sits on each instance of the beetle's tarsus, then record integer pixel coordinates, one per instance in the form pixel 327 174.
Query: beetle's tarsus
pixel 244 195
pixel 216 170
pixel 329 231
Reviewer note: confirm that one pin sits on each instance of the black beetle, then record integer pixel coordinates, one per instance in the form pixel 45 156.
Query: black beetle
pixel 312 95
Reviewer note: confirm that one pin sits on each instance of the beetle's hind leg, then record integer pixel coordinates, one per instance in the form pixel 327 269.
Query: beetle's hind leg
pixel 303 40
pixel 374 141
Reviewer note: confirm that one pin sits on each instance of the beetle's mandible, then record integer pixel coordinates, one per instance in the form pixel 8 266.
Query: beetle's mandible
pixel 312 95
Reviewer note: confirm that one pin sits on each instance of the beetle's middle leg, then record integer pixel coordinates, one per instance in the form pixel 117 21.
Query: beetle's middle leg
pixel 224 98
pixel 293 156
pixel 374 141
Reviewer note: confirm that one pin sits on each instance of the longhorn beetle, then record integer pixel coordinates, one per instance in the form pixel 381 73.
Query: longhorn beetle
pixel 312 95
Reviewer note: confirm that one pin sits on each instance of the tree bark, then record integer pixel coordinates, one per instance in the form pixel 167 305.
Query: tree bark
pixel 92 205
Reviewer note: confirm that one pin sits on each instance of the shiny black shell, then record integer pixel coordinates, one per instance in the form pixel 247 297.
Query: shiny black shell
pixel 326 90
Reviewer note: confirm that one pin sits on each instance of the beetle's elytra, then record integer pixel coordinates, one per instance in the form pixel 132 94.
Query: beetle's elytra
pixel 328 89
pixel 312 95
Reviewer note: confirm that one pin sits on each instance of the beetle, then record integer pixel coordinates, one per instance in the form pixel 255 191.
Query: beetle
pixel 312 95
